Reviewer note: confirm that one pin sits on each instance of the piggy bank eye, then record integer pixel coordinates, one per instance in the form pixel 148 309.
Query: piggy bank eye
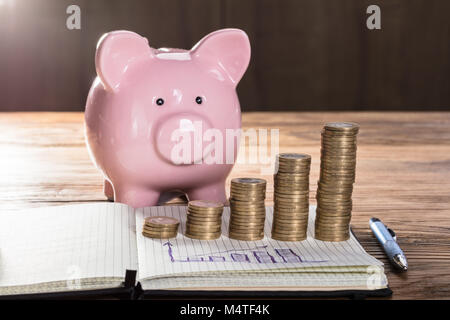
pixel 159 101
pixel 199 100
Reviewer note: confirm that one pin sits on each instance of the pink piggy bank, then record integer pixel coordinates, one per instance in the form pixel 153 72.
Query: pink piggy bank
pixel 160 120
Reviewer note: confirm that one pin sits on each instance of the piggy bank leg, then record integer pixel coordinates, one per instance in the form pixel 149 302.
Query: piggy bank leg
pixel 137 197
pixel 108 190
pixel 213 192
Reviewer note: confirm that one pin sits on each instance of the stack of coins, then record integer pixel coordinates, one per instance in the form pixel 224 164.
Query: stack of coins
pixel 248 211
pixel 335 185
pixel 291 197
pixel 204 220
pixel 160 227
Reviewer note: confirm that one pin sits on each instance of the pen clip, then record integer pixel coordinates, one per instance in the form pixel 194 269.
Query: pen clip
pixel 394 236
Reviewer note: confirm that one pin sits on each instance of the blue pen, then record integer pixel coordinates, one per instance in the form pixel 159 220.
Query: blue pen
pixel 388 240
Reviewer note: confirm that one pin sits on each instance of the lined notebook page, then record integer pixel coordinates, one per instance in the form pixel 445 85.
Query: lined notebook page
pixel 66 243
pixel 182 255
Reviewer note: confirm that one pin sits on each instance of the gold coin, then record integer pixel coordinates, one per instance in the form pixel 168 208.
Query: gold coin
pixel 339 235
pixel 290 233
pixel 211 228
pixel 205 204
pixel 205 212
pixel 247 216
pixel 332 239
pixel 285 209
pixel 206 234
pixel 299 226
pixel 291 214
pixel 301 229
pixel 303 195
pixel 249 226
pixel 293 167
pixel 327 136
pixel 286 190
pixel 249 207
pixel 159 235
pixel 279 237
pixel 161 221
pixel 285 169
pixel 332 224
pixel 290 218
pixel 342 126
pixel 330 233
pixel 289 207
pixel 337 216
pixel 251 181
pixel 153 229
pixel 294 157
pixel 297 211
pixel 203 218
pixel 253 232
pixel 336 154
pixel 203 237
pixel 245 189
pixel 332 190
pixel 247 199
pixel 290 176
pixel 299 232
pixel 245 238
pixel 247 223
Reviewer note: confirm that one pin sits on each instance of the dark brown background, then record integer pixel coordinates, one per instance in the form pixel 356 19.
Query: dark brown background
pixel 306 54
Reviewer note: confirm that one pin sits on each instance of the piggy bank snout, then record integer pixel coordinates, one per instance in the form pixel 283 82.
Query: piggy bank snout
pixel 179 138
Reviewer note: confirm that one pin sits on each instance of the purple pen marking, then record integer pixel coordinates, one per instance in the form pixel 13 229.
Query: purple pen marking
pixel 264 257
pixel 234 250
pixel 240 257
pixel 217 259
pixel 288 255
pixel 261 256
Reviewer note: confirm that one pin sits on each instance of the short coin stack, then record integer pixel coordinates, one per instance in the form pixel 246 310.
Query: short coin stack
pixel 335 185
pixel 291 197
pixel 248 211
pixel 204 220
pixel 160 227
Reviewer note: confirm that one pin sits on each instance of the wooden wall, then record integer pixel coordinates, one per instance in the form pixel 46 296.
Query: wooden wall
pixel 306 54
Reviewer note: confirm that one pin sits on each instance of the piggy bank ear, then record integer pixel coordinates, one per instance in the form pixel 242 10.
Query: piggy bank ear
pixel 227 49
pixel 115 52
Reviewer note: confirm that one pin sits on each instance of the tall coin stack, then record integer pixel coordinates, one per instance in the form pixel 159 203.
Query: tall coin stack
pixel 160 227
pixel 335 185
pixel 204 220
pixel 248 211
pixel 291 197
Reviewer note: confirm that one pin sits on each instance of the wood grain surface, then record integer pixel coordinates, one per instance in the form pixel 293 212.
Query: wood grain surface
pixel 403 178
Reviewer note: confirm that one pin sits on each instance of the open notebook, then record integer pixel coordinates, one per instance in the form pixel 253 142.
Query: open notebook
pixel 90 246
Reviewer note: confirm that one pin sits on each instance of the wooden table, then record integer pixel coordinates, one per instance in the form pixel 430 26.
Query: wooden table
pixel 403 178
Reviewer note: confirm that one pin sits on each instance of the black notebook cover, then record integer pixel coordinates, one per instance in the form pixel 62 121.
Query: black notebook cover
pixel 126 292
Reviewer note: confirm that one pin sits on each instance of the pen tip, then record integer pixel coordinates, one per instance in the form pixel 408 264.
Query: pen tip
pixel 400 261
